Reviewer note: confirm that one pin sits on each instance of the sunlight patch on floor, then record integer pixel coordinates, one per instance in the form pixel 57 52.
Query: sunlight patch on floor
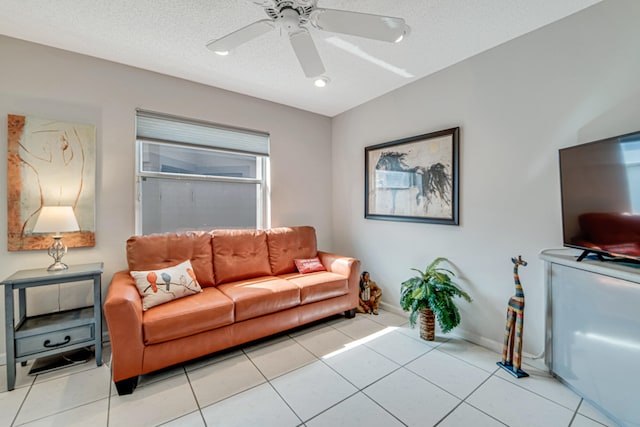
pixel 360 342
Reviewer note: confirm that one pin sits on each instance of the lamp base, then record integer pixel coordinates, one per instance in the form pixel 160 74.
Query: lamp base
pixel 57 251
pixel 58 266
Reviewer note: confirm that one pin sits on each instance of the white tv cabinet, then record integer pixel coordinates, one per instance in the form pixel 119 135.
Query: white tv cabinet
pixel 593 331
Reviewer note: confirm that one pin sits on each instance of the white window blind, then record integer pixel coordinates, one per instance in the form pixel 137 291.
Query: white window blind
pixel 167 128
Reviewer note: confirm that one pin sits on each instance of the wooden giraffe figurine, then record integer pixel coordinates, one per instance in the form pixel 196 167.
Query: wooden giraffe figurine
pixel 512 348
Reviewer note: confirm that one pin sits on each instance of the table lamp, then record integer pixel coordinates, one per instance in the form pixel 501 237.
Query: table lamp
pixel 56 219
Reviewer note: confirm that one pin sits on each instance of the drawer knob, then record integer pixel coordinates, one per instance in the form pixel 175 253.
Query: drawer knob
pixel 48 344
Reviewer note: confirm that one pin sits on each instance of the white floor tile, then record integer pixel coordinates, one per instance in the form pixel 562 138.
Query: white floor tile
pixel 10 402
pixel 263 342
pixel 193 419
pixel 211 359
pixel 312 389
pixel 154 404
pixel 582 421
pixel 323 341
pixel 305 329
pixel 465 415
pixel 361 365
pixel 414 333
pixel 450 373
pixel 544 384
pixel 60 394
pixel 358 410
pixel 589 411
pixel 223 379
pixel 93 414
pixel 360 327
pixel 516 406
pixel 259 406
pixel 337 321
pixel 161 375
pixel 23 379
pixel 399 347
pixel 388 318
pixel 471 353
pixel 412 399
pixel 366 352
pixel 280 357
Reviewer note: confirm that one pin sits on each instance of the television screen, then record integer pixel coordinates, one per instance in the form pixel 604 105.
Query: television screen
pixel 600 188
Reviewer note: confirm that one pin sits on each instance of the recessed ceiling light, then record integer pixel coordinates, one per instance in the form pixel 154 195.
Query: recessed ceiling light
pixel 321 81
pixel 405 33
pixel 222 52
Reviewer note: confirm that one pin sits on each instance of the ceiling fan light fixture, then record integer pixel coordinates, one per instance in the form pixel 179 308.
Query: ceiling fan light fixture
pixel 222 52
pixel 322 81
pixel 405 33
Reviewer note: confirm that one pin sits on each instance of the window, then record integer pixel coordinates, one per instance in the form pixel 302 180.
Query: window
pixel 199 176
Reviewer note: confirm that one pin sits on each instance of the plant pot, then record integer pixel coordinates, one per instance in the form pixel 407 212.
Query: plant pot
pixel 427 324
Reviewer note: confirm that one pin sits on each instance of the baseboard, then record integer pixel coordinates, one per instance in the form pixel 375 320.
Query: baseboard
pixel 393 309
pixel 485 342
pixel 536 361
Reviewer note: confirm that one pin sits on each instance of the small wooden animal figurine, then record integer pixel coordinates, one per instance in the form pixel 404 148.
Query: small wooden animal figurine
pixel 512 348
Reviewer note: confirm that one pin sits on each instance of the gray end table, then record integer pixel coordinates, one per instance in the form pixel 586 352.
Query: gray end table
pixel 43 335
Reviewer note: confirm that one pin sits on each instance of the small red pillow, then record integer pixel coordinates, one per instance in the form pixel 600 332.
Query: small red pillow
pixel 310 265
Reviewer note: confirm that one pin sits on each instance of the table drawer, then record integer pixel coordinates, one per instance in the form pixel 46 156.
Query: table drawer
pixel 53 340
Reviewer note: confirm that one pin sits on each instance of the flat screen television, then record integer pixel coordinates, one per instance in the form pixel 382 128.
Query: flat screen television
pixel 600 191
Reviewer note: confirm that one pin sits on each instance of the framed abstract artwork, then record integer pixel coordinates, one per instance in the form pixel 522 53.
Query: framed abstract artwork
pixel 49 163
pixel 414 179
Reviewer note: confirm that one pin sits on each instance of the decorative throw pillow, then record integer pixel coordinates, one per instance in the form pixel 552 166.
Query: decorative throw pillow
pixel 310 265
pixel 166 284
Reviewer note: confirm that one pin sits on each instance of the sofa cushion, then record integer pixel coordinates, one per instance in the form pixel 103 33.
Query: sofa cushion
pixel 318 286
pixel 289 243
pixel 187 316
pixel 240 254
pixel 157 251
pixel 261 295
pixel 167 284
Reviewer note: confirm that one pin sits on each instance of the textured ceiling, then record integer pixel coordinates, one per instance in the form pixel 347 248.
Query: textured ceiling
pixel 169 37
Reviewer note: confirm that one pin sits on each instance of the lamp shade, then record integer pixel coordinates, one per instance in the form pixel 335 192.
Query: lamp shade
pixel 56 219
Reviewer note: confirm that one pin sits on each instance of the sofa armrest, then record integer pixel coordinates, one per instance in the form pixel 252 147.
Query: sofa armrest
pixel 345 266
pixel 123 311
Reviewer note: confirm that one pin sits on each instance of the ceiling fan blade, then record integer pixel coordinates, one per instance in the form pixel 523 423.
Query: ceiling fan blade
pixel 307 54
pixel 377 27
pixel 243 35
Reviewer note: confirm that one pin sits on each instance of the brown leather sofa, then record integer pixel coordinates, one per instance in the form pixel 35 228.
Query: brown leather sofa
pixel 251 289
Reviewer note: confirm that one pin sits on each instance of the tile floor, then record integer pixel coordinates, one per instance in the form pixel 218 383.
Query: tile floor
pixel 368 371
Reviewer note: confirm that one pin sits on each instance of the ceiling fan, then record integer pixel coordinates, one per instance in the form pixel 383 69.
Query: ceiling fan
pixel 292 17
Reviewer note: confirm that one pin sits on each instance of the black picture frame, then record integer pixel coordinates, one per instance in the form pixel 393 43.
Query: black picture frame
pixel 414 179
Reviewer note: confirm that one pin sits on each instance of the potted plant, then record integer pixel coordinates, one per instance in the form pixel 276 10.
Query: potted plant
pixel 430 294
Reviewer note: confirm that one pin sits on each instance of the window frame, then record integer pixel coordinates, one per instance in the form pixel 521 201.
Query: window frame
pixel 263 205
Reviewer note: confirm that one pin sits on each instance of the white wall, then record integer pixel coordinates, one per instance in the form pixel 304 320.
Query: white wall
pixel 50 83
pixel 574 81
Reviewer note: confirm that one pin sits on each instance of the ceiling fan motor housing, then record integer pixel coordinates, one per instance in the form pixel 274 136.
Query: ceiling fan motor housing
pixel 290 13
